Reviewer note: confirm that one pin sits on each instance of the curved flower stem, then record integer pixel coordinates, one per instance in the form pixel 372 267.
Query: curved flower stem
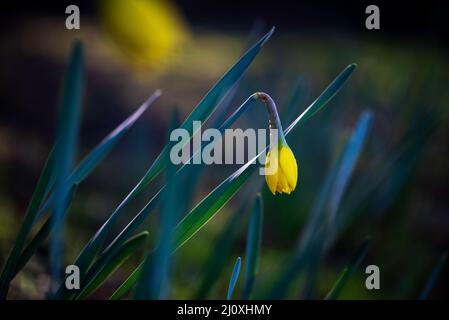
pixel 274 120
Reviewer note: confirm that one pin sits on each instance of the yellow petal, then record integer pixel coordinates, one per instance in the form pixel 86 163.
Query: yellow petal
pixel 289 167
pixel 286 176
pixel 271 182
pixel 282 182
pixel 272 179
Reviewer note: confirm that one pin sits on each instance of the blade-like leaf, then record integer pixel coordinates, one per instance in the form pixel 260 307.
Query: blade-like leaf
pixel 210 205
pixel 154 280
pixel 253 245
pixel 105 146
pixel 90 162
pixel 43 185
pixel 372 182
pixel 321 228
pixel 433 277
pixel 348 163
pixel 142 215
pixel 200 113
pixel 298 95
pixel 222 248
pixel 113 248
pixel 209 103
pixel 40 237
pixel 215 200
pixel 65 152
pixel 349 270
pixel 196 172
pixel 335 185
pixel 94 158
pixel 127 285
pixel 224 244
pixel 127 249
pixel 324 98
pixel 234 278
pixel 221 251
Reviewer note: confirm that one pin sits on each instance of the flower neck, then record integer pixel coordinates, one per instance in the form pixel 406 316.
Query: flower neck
pixel 274 121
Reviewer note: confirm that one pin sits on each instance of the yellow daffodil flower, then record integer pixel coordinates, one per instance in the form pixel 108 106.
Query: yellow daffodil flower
pixel 285 176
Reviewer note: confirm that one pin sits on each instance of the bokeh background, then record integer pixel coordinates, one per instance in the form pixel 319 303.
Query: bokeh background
pixel 398 194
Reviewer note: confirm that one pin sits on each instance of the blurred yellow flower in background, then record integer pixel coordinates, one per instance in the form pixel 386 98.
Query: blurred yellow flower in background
pixel 147 31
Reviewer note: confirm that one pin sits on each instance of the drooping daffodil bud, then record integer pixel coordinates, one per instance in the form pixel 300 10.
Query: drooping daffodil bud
pixel 284 177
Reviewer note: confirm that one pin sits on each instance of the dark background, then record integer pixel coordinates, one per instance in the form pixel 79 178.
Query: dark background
pixel 421 20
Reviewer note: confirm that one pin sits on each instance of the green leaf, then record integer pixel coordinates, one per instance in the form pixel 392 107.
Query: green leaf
pixel 335 185
pixel 324 98
pixel 105 146
pixel 196 172
pixel 40 237
pixel 200 113
pixel 208 207
pixel 253 245
pixel 142 215
pixel 68 124
pixel 126 250
pixel 127 285
pixel 43 185
pixel 433 277
pixel 215 200
pixel 323 223
pixel 234 278
pixel 212 203
pixel 222 249
pixel 298 94
pixel 396 167
pixel 223 246
pixel 349 270
pixel 96 156
pixel 209 103
pixel 154 280
pixel 112 249
pixel 34 244
pixel 87 165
